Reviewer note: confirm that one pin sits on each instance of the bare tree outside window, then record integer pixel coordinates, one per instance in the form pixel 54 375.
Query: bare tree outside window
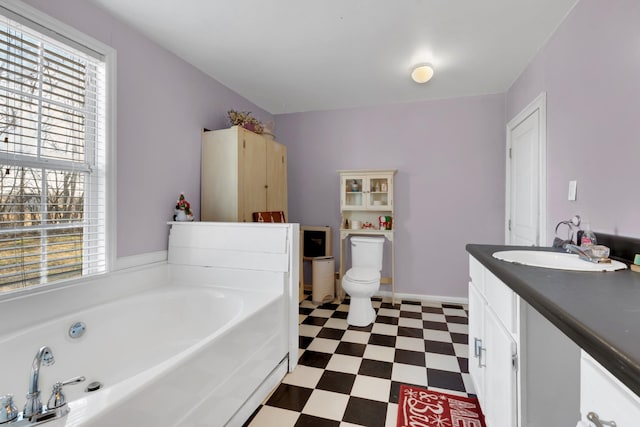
pixel 47 155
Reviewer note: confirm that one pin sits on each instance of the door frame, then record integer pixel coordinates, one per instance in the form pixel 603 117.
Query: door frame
pixel 539 104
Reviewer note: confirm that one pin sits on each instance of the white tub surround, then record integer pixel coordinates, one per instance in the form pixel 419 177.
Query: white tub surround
pixel 264 259
pixel 198 340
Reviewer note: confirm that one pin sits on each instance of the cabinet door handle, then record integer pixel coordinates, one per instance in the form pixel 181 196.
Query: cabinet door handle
pixel 480 364
pixel 477 344
pixel 593 417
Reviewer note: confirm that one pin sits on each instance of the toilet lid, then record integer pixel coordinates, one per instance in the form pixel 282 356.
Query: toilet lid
pixel 362 274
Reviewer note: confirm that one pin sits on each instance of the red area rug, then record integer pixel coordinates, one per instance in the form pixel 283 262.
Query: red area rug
pixel 419 407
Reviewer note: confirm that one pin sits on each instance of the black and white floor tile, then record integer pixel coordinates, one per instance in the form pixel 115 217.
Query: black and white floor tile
pixel 351 376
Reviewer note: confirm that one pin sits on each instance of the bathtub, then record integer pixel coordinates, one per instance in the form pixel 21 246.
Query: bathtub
pixel 200 346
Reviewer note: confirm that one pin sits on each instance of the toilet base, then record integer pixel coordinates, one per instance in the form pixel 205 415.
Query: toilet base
pixel 361 312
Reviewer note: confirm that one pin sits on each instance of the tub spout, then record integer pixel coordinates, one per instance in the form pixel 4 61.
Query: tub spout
pixel 34 405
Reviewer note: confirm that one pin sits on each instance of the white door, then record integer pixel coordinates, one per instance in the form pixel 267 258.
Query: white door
pixel 526 176
pixel 523 154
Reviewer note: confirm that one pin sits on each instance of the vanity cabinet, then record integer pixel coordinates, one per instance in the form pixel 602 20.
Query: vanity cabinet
pixel 524 370
pixel 493 358
pixel 603 398
pixel 365 196
pixel 242 172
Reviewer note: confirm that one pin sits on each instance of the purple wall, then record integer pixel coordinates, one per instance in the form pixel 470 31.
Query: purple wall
pixel 449 153
pixel 162 105
pixel 449 189
pixel 590 70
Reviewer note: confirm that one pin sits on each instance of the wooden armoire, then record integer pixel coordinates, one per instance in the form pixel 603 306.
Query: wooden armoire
pixel 242 172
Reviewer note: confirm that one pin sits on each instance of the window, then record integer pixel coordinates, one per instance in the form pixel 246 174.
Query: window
pixel 53 156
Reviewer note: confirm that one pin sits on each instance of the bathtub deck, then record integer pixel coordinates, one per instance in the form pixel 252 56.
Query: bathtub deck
pixel 351 376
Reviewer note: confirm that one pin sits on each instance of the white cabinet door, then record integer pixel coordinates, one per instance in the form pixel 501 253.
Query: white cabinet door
pixel 501 299
pixel 500 375
pixel 492 347
pixel 605 397
pixel 353 192
pixel 476 335
pixel 380 192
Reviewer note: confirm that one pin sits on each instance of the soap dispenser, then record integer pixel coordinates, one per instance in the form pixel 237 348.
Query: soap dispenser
pixel 588 237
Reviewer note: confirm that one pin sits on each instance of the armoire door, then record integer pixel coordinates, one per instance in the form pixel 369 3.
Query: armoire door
pixel 277 177
pixel 253 175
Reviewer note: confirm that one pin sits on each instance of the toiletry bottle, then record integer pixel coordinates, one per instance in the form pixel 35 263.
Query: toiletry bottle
pixel 588 237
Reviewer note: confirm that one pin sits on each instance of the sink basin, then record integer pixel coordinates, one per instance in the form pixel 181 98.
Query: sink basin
pixel 556 260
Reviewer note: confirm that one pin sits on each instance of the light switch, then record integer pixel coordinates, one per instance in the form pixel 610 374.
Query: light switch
pixel 573 186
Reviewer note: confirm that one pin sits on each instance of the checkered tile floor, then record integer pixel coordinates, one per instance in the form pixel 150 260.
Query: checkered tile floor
pixel 351 376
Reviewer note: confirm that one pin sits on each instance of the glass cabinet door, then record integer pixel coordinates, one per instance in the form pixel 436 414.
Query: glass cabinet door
pixel 353 189
pixel 379 196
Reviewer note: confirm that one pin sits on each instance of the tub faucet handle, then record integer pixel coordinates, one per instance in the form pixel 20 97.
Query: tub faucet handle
pixel 58 398
pixel 8 410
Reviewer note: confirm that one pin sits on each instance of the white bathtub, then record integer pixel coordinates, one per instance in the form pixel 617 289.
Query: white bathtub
pixel 193 349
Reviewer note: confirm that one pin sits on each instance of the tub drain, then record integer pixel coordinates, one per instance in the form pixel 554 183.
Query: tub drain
pixel 77 329
pixel 94 386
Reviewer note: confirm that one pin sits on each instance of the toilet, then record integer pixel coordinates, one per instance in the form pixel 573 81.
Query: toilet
pixel 362 280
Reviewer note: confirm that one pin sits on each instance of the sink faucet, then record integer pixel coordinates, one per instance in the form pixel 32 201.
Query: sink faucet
pixel 586 254
pixel 34 405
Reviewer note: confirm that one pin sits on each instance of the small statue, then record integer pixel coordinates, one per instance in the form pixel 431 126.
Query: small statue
pixel 183 210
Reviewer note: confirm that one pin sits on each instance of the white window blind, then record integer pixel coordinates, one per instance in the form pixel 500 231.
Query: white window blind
pixel 53 159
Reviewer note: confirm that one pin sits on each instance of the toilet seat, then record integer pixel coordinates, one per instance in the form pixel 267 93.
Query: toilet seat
pixel 361 275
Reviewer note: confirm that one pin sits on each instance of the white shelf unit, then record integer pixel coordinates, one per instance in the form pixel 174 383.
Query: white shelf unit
pixel 366 195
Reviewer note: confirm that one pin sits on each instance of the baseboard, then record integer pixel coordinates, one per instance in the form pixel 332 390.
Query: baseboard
pixel 140 259
pixel 438 298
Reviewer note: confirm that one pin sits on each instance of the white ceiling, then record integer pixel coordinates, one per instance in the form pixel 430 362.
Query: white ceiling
pixel 301 55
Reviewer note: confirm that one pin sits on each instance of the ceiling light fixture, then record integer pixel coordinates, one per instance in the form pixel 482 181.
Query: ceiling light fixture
pixel 422 73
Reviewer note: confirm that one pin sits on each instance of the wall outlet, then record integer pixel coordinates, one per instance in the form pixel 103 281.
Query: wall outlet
pixel 573 186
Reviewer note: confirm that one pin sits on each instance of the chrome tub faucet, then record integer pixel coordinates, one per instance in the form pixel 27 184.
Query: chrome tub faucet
pixel 34 405
pixel 34 412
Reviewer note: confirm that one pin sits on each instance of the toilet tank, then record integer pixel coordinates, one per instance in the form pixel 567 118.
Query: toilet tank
pixel 367 252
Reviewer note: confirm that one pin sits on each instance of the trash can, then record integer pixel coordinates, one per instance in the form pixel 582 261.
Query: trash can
pixel 322 279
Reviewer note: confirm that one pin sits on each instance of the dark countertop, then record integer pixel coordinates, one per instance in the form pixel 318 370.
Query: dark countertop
pixel 599 311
